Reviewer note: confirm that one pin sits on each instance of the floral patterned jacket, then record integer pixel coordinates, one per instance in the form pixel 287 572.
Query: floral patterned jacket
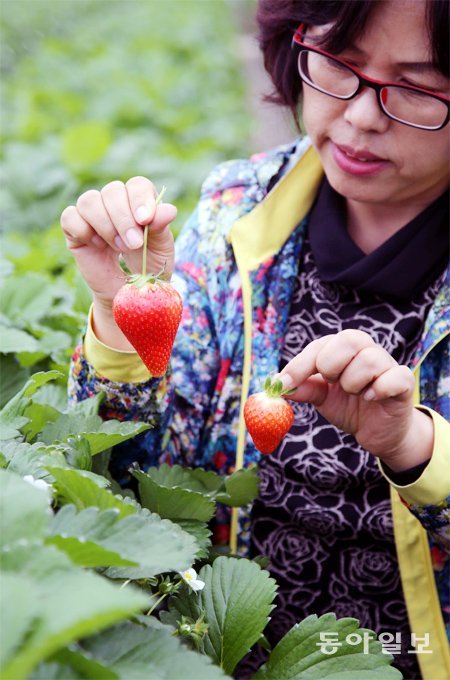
pixel 237 260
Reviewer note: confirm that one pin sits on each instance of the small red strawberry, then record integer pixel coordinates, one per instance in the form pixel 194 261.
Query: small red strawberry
pixel 268 416
pixel 148 310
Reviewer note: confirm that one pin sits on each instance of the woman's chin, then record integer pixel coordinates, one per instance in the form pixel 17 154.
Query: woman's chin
pixel 362 188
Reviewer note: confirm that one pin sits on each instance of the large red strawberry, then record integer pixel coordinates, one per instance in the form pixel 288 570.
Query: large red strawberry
pixel 268 416
pixel 148 310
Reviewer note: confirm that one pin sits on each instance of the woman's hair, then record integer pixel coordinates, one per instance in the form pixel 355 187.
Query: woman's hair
pixel 278 19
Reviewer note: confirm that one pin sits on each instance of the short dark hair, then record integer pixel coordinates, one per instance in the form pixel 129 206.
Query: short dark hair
pixel 278 19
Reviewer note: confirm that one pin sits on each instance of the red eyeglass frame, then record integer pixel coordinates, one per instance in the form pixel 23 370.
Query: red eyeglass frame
pixel 365 81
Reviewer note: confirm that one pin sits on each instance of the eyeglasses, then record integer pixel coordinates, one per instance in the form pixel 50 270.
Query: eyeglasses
pixel 406 104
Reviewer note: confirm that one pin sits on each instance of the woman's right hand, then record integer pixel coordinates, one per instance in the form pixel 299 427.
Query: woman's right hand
pixel 111 221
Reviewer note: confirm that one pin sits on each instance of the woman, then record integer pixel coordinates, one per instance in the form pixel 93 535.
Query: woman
pixel 324 260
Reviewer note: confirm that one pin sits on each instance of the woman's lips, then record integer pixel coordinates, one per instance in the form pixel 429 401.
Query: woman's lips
pixel 357 162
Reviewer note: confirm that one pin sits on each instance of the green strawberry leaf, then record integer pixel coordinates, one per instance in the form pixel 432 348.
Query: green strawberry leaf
pixel 36 579
pixel 235 602
pixel 87 553
pixel 148 544
pixel 39 415
pixel 83 421
pixel 33 459
pixel 237 489
pixel 173 503
pixel 27 297
pixel 78 487
pixel 12 417
pixel 197 479
pixel 201 533
pixel 13 340
pixel 135 651
pixel 299 654
pixel 48 578
pixel 27 519
pixel 73 663
pixel 241 487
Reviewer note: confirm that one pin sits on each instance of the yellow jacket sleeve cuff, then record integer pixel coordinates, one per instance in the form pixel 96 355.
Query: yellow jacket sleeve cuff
pixel 113 364
pixel 433 485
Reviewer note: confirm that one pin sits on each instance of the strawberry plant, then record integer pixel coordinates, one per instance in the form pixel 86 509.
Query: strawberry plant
pixel 40 321
pixel 98 582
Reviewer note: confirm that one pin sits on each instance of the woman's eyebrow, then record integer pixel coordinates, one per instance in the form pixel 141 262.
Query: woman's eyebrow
pixel 419 67
pixel 426 68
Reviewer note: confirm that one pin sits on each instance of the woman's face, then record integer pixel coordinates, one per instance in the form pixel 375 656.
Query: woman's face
pixel 414 164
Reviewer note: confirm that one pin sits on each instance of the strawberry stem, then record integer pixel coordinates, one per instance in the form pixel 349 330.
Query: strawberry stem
pixel 144 249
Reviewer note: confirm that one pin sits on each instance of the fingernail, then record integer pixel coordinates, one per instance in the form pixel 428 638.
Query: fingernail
pixel 143 214
pixel 119 243
pixel 286 380
pixel 134 238
pixel 369 395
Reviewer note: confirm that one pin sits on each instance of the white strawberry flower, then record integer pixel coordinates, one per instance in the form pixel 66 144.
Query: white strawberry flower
pixel 190 577
pixel 39 484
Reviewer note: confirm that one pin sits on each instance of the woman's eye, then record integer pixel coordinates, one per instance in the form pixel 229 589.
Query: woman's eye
pixel 411 84
pixel 351 62
pixel 413 94
pixel 425 86
pixel 337 65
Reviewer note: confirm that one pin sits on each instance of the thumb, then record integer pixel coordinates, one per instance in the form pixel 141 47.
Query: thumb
pixel 313 390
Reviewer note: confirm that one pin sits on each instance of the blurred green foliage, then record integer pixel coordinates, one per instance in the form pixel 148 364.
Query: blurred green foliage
pixel 95 90
pixel 91 91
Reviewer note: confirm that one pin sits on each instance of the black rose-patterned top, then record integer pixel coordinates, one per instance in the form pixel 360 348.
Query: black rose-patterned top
pixel 323 516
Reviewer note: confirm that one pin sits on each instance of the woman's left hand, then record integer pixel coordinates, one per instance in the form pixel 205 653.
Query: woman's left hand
pixel 357 386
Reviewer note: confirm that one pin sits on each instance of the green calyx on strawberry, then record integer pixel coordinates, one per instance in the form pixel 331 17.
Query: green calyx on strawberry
pixel 148 311
pixel 268 416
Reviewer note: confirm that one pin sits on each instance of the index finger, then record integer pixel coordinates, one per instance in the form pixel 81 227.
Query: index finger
pixel 328 356
pixel 302 366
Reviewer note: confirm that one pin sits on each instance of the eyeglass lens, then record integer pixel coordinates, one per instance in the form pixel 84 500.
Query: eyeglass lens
pixel 405 105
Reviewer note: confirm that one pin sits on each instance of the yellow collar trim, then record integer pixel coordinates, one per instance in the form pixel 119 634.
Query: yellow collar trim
pixel 263 231
pixel 419 588
pixel 256 237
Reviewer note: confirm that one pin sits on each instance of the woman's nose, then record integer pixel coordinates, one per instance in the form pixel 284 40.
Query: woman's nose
pixel 364 112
